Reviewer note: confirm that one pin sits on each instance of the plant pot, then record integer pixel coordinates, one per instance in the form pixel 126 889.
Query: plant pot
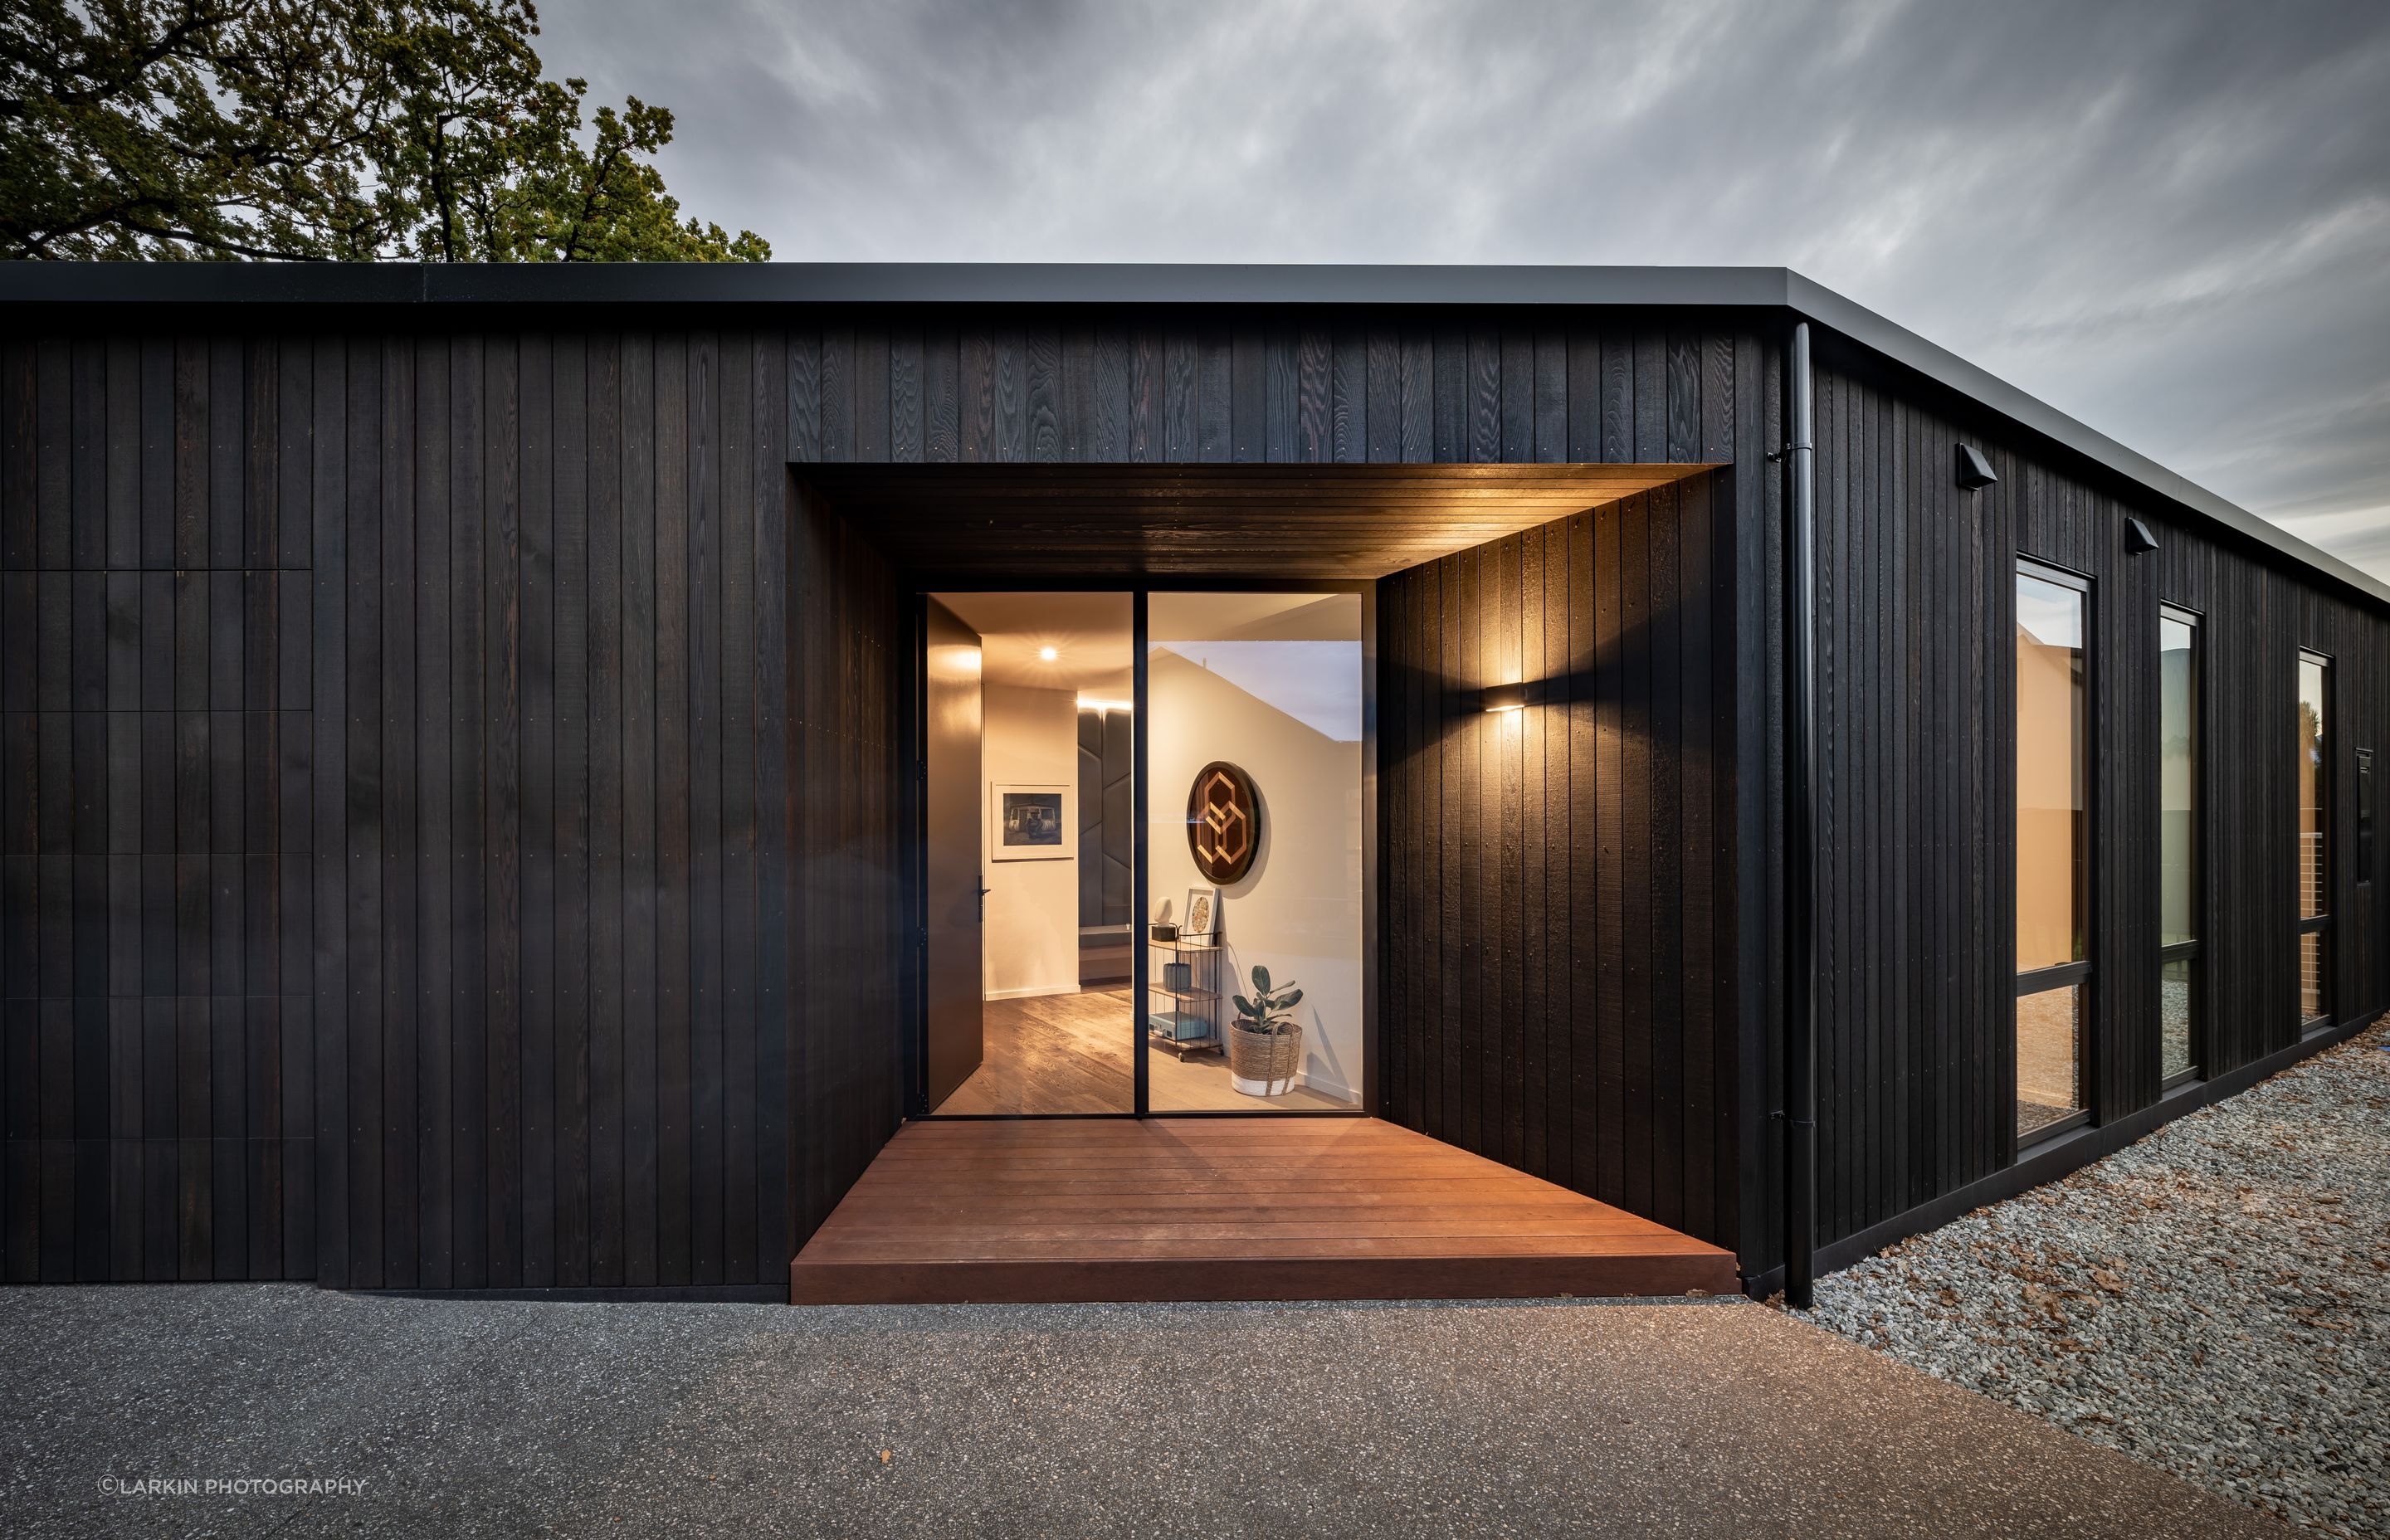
pixel 1263 1063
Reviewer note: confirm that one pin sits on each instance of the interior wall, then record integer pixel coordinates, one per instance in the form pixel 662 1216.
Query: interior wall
pixel 1106 735
pixel 2050 734
pixel 1297 911
pixel 1032 940
pixel 1107 941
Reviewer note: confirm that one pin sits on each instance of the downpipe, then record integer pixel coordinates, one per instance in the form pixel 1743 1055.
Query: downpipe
pixel 1800 1112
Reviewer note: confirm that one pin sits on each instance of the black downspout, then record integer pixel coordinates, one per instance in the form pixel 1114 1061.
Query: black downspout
pixel 1800 832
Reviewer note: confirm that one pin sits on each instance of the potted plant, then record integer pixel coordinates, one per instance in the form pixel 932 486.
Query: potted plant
pixel 1264 1043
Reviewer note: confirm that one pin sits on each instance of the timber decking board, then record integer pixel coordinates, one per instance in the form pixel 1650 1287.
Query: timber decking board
pixel 1222 1209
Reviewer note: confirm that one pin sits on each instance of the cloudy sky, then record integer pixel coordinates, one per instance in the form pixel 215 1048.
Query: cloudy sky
pixel 2169 219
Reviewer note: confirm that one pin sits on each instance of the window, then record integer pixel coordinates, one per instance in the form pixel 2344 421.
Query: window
pixel 2364 816
pixel 2314 772
pixel 2052 850
pixel 2178 912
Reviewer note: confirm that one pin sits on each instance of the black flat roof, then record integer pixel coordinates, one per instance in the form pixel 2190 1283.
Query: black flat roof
pixel 173 283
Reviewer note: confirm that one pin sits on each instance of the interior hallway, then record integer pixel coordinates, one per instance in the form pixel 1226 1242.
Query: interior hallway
pixel 1071 1053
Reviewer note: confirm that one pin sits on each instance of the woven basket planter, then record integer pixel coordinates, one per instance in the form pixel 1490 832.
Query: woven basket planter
pixel 1263 1063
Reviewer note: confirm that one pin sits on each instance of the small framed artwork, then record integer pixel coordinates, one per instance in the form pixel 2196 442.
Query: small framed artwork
pixel 1201 925
pixel 1028 823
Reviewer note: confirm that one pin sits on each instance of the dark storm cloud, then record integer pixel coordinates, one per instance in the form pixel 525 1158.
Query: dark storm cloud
pixel 2172 220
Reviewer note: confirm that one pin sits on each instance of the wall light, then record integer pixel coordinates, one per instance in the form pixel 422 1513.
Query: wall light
pixel 1973 471
pixel 1046 655
pixel 1089 704
pixel 1511 698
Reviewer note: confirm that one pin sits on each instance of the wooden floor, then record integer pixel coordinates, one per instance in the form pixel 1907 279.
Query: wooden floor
pixel 1222 1208
pixel 1071 1053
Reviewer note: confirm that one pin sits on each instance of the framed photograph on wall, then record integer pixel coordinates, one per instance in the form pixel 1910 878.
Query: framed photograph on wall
pixel 1201 924
pixel 1028 822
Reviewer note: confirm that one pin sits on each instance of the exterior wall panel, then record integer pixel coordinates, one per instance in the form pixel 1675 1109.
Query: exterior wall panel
pixel 1916 780
pixel 344 899
pixel 450 774
pixel 449 799
pixel 1562 989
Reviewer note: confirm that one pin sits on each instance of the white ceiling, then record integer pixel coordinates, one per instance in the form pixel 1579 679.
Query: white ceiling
pixel 1241 637
pixel 1089 634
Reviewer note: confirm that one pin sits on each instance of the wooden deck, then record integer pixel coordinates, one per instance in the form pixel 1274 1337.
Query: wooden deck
pixel 1222 1208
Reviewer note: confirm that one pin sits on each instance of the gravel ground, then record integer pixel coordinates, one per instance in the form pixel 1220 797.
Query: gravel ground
pixel 478 1418
pixel 2214 1300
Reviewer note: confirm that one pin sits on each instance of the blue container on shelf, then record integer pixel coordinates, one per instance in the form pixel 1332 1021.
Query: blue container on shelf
pixel 1178 1026
pixel 1178 975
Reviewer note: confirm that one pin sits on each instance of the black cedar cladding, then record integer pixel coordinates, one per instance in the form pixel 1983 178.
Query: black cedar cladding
pixel 447 818
pixel 1559 832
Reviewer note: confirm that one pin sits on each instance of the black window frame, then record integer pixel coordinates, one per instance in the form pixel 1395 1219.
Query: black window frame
pixel 2188 951
pixel 2319 924
pixel 2364 761
pixel 2080 973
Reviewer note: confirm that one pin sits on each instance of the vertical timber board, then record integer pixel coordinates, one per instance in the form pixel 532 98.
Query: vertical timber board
pixel 431 1004
pixel 672 885
pixel 641 630
pixel 570 808
pixel 607 1084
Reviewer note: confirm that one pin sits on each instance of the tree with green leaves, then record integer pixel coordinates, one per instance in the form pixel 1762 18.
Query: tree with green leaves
pixel 321 130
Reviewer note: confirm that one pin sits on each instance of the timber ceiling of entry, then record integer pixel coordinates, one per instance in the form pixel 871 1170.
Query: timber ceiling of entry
pixel 1244 521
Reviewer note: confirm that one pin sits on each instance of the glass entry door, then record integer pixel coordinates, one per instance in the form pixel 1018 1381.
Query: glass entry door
pixel 1026 878
pixel 1252 709
pixel 1159 859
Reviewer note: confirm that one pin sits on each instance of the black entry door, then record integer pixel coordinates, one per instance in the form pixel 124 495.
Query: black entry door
pixel 951 879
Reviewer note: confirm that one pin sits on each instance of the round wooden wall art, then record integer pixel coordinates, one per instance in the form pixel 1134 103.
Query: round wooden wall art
pixel 1224 821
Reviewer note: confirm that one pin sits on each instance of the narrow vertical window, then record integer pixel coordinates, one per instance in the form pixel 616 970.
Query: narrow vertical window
pixel 2052 850
pixel 2313 771
pixel 2364 816
pixel 2179 912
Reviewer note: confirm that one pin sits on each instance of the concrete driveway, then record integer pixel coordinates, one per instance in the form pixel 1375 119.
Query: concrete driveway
pixel 474 1418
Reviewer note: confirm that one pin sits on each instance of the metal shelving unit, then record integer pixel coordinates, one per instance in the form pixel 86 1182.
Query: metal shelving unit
pixel 1199 1000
